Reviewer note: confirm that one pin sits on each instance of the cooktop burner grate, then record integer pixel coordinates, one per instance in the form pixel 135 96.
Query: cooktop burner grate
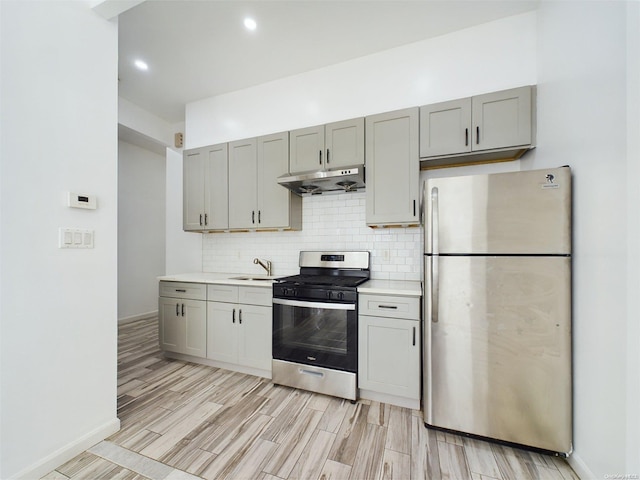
pixel 324 280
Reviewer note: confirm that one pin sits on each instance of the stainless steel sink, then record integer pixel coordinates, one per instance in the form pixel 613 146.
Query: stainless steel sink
pixel 253 277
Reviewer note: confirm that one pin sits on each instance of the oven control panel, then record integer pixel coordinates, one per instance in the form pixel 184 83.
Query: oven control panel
pixel 302 292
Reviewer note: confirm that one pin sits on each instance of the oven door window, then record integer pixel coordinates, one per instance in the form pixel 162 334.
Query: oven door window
pixel 322 334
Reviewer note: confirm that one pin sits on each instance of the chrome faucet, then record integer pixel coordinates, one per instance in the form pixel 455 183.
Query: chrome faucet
pixel 267 267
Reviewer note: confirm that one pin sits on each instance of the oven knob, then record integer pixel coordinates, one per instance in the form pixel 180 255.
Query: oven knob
pixel 285 291
pixel 329 294
pixel 340 295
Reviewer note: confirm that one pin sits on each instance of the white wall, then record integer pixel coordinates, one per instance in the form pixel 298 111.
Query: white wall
pixel 141 229
pixel 582 122
pixel 412 75
pixel 58 319
pixel 633 237
pixel 496 55
pixel 576 52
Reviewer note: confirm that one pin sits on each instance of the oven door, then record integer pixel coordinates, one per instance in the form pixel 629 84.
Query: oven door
pixel 316 333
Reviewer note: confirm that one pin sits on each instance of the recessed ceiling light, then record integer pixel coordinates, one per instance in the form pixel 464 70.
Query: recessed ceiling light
pixel 250 23
pixel 140 65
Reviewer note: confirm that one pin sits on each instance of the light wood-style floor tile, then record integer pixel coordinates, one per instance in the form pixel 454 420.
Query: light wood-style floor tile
pixel 194 421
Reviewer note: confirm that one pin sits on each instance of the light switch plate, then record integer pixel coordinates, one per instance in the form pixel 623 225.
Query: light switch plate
pixel 75 238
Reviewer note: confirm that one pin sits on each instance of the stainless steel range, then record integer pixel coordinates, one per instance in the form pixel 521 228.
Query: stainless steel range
pixel 315 323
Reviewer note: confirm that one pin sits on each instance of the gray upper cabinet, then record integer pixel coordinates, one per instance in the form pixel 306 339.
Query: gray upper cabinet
pixel 306 149
pixel 243 183
pixel 256 200
pixel 445 128
pixel 344 143
pixel 334 145
pixel 205 201
pixel 277 206
pixel 502 119
pixel 494 126
pixel 393 168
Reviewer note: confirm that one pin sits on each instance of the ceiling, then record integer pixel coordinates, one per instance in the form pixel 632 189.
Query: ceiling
pixel 198 49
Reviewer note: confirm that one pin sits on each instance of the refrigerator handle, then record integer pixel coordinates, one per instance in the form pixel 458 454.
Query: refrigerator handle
pixel 435 250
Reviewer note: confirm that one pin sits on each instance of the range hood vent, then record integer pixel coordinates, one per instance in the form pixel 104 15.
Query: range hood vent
pixel 342 180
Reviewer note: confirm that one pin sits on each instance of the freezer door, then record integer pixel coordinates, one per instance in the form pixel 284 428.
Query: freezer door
pixel 521 213
pixel 498 348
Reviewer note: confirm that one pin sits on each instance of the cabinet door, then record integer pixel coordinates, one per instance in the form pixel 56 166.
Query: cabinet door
pixel 502 119
pixel 171 331
pixel 344 143
pixel 393 168
pixel 243 184
pixel 389 356
pixel 273 199
pixel 194 174
pixel 445 128
pixel 254 337
pixel 216 194
pixel 306 146
pixel 194 316
pixel 222 334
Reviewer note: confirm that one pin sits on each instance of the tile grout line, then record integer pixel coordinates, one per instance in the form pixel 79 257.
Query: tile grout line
pixel 145 466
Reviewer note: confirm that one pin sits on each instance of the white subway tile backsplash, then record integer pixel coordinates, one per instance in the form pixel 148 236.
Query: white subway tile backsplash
pixel 332 222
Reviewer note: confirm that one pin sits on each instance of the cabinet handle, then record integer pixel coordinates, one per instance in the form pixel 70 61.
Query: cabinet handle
pixel 177 309
pixel 233 318
pixel 259 216
pixel 466 137
pixel 253 216
pixel 206 219
pixel 414 336
pixel 391 307
pixel 327 156
pixel 320 157
pixel 240 316
pixel 200 219
pixel 478 135
pixel 183 309
pixel 414 208
pixel 181 290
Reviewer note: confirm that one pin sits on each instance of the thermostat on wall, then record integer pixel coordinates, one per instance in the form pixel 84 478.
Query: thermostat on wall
pixel 80 200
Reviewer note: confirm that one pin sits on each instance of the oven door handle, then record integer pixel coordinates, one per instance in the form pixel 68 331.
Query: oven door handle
pixel 305 304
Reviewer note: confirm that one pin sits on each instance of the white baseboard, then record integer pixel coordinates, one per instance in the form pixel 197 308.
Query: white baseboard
pixel 134 318
pixel 66 453
pixel 580 467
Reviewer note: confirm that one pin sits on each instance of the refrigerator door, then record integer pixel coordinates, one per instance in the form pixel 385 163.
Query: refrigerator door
pixel 523 213
pixel 498 348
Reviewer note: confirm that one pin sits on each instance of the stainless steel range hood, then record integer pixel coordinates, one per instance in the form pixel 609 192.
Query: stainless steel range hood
pixel 350 179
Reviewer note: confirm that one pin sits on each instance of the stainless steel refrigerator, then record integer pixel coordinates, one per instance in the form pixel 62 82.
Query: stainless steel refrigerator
pixel 497 303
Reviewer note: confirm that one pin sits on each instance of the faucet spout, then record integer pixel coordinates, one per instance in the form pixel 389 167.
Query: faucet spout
pixel 267 267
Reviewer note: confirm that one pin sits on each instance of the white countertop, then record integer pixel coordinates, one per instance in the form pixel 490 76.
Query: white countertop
pixel 220 279
pixel 407 288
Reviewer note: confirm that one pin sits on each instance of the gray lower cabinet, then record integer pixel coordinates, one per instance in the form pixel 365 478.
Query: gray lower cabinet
pixel 389 348
pixel 256 200
pixel 393 169
pixel 239 326
pixel 183 318
pixel 205 188
pixel 494 125
pixel 330 146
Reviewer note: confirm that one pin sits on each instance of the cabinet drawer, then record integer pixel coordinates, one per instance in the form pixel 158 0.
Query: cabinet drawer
pixel 222 293
pixel 194 291
pixel 255 296
pixel 389 306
